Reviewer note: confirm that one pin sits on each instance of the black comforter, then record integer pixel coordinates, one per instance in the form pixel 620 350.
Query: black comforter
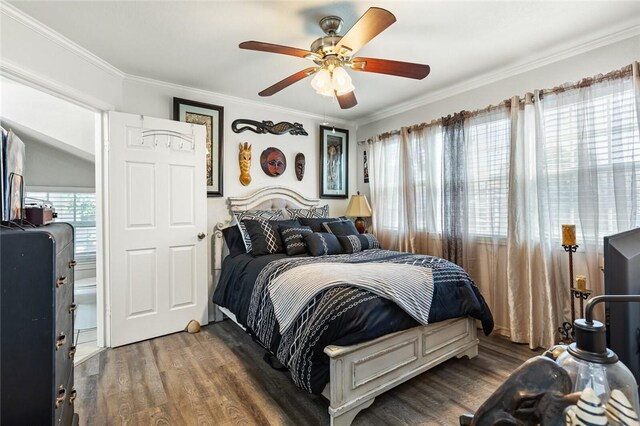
pixel 342 315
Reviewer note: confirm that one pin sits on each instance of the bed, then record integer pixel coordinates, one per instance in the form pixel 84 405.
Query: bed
pixel 348 342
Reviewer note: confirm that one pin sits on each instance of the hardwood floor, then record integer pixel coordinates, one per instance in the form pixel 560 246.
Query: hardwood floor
pixel 218 377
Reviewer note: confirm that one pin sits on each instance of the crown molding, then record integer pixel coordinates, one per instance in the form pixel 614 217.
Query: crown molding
pixel 503 73
pixel 37 26
pixel 27 77
pixel 242 101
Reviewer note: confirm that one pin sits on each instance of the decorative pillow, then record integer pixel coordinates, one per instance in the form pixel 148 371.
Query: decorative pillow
pixel 341 227
pixel 254 214
pixel 355 243
pixel 233 238
pixel 316 223
pixel 293 238
pixel 317 212
pixel 322 243
pixel 265 238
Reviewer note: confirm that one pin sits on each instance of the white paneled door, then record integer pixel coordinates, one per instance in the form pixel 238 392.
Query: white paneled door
pixel 157 265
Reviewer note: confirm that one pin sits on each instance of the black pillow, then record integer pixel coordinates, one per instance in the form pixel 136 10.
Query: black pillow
pixel 293 238
pixel 341 227
pixel 322 243
pixel 265 238
pixel 254 214
pixel 235 242
pixel 316 223
pixel 285 222
pixel 359 242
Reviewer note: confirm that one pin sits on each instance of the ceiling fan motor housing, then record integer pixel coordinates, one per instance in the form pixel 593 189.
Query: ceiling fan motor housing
pixel 325 45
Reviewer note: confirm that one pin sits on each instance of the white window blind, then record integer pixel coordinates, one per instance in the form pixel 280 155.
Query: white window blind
pixel 78 209
pixel 592 149
pixel 487 148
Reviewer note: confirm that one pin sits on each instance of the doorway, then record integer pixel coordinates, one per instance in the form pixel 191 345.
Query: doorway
pixel 61 141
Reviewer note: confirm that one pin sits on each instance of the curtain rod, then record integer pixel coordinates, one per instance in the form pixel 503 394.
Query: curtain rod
pixel 585 82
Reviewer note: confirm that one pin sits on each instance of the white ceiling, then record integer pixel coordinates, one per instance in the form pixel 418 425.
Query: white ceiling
pixel 196 43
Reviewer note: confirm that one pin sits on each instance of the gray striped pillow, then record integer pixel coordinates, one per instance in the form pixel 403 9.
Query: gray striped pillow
pixel 317 212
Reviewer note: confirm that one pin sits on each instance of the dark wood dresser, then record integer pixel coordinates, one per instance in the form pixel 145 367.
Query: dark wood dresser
pixel 36 326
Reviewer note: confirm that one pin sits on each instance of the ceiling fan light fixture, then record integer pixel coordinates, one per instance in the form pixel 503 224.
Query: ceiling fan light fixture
pixel 321 83
pixel 341 81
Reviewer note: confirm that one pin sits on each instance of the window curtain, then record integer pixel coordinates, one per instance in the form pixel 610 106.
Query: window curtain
pixel 405 170
pixel 504 181
pixel 453 188
pixel 534 288
pixel 487 147
pixel 575 160
pixel 386 182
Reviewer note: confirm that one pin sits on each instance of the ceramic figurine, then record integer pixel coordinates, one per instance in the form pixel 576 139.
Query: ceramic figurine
pixel 245 163
pixel 588 412
pixel 620 410
pixel 300 163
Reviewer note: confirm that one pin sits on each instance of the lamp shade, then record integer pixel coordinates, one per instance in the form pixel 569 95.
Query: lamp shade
pixel 358 206
pixel 341 82
pixel 321 83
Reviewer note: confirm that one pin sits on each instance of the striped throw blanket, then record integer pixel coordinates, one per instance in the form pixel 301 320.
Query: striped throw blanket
pixel 410 287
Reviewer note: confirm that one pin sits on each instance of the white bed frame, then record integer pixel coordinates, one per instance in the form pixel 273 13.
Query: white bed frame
pixel 361 372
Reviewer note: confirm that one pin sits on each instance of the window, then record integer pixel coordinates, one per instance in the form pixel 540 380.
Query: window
pixel 592 149
pixel 78 209
pixel 487 149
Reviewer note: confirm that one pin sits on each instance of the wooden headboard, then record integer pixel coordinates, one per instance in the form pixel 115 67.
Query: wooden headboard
pixel 271 198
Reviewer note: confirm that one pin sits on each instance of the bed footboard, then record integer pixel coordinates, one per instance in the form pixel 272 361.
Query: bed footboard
pixel 361 372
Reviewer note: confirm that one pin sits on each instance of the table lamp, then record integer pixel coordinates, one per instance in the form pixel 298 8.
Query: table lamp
pixel 359 207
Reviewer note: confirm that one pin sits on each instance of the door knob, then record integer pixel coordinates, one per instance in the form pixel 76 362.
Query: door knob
pixel 201 236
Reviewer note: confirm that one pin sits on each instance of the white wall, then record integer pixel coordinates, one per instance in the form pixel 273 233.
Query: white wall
pixel 156 99
pixel 601 60
pixel 46 166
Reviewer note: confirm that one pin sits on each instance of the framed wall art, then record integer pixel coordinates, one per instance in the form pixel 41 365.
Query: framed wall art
pixel 212 117
pixel 334 162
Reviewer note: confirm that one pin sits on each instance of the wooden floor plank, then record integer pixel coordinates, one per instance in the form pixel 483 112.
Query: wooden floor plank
pixel 218 377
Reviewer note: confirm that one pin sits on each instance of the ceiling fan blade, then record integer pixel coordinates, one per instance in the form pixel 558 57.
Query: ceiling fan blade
pixel 386 66
pixel 373 22
pixel 348 100
pixel 282 84
pixel 274 48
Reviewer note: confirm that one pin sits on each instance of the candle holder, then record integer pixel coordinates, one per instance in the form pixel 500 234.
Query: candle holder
pixel 566 330
pixel 582 295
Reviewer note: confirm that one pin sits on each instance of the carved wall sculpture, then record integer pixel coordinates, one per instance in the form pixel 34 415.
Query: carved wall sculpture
pixel 245 163
pixel 300 163
pixel 273 162
pixel 266 126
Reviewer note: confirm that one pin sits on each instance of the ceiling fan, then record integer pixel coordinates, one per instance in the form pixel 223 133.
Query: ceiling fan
pixel 332 53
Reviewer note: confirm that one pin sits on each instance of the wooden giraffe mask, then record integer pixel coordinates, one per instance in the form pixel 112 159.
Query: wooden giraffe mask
pixel 245 163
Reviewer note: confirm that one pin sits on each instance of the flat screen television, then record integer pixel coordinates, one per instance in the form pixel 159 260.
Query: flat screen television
pixel 622 276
